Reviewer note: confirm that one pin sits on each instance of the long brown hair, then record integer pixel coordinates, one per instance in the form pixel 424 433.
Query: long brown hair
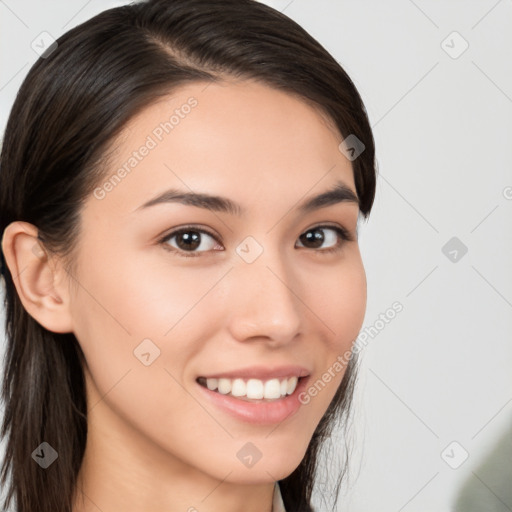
pixel 74 101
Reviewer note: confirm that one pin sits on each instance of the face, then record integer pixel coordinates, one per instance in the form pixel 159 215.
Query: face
pixel 240 291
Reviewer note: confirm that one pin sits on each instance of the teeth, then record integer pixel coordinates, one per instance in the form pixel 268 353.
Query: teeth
pixel 253 388
pixel 238 388
pixel 224 386
pixel 212 384
pixel 272 389
pixel 292 384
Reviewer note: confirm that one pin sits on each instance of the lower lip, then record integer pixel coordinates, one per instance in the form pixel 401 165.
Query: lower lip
pixel 260 413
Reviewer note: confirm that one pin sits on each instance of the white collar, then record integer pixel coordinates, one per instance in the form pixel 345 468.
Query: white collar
pixel 277 503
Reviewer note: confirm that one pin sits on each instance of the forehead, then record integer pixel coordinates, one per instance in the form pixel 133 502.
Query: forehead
pixel 240 139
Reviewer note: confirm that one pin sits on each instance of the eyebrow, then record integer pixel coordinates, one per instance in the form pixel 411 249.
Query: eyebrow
pixel 337 194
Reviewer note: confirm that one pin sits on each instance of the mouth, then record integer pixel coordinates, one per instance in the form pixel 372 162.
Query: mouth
pixel 253 390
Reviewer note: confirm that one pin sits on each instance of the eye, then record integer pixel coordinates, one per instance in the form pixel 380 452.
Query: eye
pixel 335 238
pixel 190 241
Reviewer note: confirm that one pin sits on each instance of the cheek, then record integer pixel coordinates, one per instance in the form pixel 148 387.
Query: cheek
pixel 128 312
pixel 135 298
pixel 113 321
pixel 339 299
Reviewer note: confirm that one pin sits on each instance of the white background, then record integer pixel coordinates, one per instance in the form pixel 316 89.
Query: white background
pixel 440 371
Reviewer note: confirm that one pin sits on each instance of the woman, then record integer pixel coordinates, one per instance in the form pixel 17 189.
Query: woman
pixel 180 187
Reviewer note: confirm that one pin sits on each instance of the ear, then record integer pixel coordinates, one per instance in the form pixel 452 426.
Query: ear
pixel 39 280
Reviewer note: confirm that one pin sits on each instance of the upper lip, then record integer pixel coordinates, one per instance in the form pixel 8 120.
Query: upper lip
pixel 261 372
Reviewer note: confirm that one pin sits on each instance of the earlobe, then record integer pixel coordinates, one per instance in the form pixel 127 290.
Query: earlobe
pixel 36 277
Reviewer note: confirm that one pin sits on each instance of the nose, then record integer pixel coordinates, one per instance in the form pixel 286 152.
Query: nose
pixel 265 301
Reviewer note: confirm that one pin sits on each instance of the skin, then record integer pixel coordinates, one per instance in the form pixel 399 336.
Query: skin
pixel 153 441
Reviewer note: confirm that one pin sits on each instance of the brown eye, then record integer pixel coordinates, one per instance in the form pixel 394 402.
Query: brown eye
pixel 190 240
pixel 316 237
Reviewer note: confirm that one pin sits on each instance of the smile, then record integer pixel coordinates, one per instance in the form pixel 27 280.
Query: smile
pixel 251 389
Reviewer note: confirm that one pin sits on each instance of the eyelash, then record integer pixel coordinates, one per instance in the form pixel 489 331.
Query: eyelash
pixel 342 233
